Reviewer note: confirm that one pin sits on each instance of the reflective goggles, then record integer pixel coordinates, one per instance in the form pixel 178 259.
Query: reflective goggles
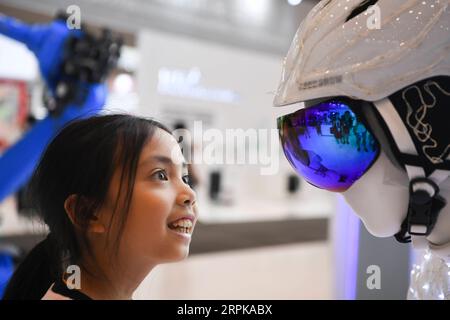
pixel 329 143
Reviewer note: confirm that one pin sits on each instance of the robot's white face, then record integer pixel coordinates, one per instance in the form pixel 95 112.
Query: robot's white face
pixel 380 197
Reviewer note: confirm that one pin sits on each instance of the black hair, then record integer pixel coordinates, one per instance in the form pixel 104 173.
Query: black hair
pixel 80 160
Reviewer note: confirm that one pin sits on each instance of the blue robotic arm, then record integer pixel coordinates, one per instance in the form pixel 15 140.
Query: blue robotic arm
pixel 74 75
pixel 45 41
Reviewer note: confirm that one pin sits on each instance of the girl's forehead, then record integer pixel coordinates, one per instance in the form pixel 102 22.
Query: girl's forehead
pixel 163 143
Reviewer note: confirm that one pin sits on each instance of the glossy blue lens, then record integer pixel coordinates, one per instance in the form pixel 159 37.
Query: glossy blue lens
pixel 328 144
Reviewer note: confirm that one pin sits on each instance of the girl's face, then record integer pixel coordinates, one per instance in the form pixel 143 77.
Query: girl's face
pixel 162 212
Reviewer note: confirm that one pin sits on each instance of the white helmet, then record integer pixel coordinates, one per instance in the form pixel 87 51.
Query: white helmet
pixel 348 48
pixel 395 56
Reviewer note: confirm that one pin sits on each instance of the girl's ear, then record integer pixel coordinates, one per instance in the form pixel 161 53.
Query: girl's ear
pixel 73 204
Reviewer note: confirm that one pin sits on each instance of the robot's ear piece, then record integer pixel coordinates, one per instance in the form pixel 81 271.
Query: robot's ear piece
pixel 412 96
pixel 423 108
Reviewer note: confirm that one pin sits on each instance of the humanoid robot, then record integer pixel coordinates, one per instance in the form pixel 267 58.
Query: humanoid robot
pixel 387 63
pixel 74 65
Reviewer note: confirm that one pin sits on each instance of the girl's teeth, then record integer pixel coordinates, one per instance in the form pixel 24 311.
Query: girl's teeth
pixel 185 223
pixel 182 226
pixel 182 230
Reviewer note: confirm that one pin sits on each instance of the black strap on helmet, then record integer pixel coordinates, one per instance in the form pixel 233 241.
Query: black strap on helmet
pixel 423 210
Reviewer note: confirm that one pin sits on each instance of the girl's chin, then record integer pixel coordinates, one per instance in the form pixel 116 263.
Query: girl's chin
pixel 179 255
pixel 176 253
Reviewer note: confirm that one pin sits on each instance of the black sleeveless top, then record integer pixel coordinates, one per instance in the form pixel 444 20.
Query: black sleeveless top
pixel 61 288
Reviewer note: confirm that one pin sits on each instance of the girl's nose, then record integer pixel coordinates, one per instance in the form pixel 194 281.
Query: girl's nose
pixel 187 195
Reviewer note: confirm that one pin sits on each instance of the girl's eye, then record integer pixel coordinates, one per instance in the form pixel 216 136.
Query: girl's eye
pixel 187 179
pixel 160 175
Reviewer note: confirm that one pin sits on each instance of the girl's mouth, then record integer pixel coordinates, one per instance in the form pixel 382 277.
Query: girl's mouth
pixel 183 226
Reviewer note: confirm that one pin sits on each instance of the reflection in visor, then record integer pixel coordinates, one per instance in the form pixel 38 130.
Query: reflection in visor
pixel 328 145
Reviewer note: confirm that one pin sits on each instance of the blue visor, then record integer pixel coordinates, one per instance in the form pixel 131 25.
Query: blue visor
pixel 329 144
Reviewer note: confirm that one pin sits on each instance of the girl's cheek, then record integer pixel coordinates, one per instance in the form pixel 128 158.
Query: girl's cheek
pixel 156 199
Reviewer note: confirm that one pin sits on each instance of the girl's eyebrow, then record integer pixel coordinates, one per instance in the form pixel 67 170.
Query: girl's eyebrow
pixel 162 159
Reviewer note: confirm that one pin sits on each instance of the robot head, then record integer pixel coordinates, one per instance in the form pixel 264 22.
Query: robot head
pixel 374 80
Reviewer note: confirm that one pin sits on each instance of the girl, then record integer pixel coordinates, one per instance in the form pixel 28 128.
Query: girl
pixel 114 191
